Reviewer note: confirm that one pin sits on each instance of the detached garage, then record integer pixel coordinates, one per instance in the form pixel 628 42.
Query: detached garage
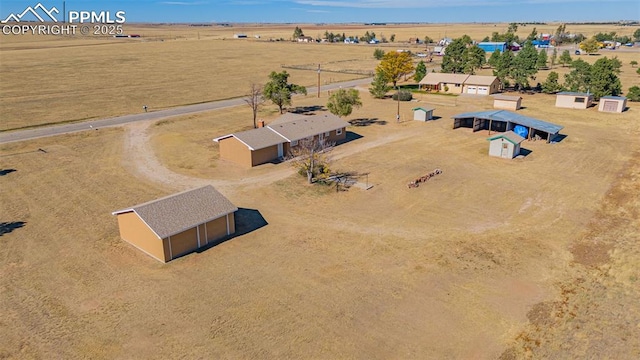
pixel 178 224
pixel 615 104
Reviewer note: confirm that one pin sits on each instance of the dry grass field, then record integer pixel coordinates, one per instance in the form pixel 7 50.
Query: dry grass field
pixel 529 258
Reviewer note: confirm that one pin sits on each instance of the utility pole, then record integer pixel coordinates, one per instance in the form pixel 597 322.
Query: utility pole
pixel 398 101
pixel 318 80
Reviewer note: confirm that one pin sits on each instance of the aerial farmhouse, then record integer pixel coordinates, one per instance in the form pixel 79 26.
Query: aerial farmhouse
pixel 460 83
pixel 178 224
pixel 573 100
pixel 274 141
pixel 615 104
pixel 507 102
pixel 505 145
pixel 503 121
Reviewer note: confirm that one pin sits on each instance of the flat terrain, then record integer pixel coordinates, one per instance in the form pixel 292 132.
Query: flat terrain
pixel 530 258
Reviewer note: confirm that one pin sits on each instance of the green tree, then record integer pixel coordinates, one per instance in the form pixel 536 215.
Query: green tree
pixel 533 35
pixel 590 46
pixel 378 54
pixel 633 63
pixel 421 71
pixel 542 59
pixel 297 33
pixel 392 38
pixel 638 71
pixel 279 91
pixel 513 28
pixel 636 35
pixel 342 102
pixel 454 57
pixel 474 58
pixel 503 66
pixel 565 58
pixel 551 85
pixel 394 65
pixel 560 34
pixel 379 86
pixel 554 57
pixel 634 93
pixel 578 78
pixel 524 66
pixel 428 40
pixel 494 59
pixel 603 80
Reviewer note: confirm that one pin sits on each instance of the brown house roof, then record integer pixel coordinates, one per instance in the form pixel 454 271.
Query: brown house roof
pixel 256 139
pixel 308 125
pixel 286 117
pixel 176 213
pixel 438 78
pixel 480 80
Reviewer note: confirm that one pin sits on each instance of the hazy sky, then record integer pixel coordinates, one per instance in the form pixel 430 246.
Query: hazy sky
pixel 336 11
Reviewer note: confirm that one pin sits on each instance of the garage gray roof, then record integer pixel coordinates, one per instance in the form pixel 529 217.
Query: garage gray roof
pixel 176 213
pixel 609 97
pixel 508 116
pixel 308 126
pixel 256 139
pixel 569 93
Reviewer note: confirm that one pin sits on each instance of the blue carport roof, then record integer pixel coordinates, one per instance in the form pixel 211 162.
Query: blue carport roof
pixel 508 116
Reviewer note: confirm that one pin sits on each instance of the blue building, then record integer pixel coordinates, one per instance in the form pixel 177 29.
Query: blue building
pixel 493 46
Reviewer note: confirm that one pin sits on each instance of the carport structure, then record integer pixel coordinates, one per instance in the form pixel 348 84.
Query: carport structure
pixel 503 120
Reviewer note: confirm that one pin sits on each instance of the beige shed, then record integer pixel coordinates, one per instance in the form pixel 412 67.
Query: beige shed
pixel 574 100
pixel 505 145
pixel 423 113
pixel 615 104
pixel 178 224
pixel 507 102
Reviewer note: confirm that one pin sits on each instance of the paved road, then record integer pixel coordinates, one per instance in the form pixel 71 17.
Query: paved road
pixel 21 135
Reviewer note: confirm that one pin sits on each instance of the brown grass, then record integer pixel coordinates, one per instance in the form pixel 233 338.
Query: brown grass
pixel 453 268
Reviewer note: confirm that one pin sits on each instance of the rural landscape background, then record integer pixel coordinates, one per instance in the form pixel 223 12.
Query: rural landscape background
pixel 531 258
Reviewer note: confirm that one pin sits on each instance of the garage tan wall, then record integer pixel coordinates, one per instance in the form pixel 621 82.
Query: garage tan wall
pixel 453 89
pixel 565 101
pixel 233 150
pixel 506 104
pixel 265 155
pixel 134 231
pixel 184 242
pixel 216 229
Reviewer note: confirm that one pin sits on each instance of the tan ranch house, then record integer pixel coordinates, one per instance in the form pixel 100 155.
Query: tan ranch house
pixel 460 83
pixel 274 141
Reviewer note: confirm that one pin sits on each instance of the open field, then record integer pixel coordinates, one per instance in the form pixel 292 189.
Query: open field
pixel 530 258
pixel 80 78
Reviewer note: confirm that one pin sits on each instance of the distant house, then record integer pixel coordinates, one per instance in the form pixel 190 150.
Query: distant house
pixel 351 40
pixel 239 36
pixel 493 46
pixel 306 39
pixel 445 41
pixel 573 100
pixel 374 41
pixel 274 141
pixel 460 83
pixel 178 224
pixel 541 43
pixel 423 113
pixel 505 145
pixel 615 104
pixel 514 46
pixel 507 102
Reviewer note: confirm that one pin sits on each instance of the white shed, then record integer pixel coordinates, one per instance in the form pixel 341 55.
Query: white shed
pixel 423 113
pixel 507 102
pixel 615 104
pixel 505 145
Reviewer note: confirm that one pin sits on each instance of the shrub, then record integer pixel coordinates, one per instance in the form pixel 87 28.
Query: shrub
pixel 634 93
pixel 404 95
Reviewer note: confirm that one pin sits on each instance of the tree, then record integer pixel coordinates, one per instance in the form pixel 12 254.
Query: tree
pixel 633 63
pixel 394 65
pixel 279 91
pixel 494 58
pixel 542 59
pixel 603 80
pixel 379 86
pixel 297 33
pixel 392 38
pixel 513 28
pixel 378 54
pixel 551 85
pixel 638 71
pixel 636 35
pixel 634 93
pixel 254 99
pixel 342 102
pixel 578 78
pixel 311 158
pixel 565 58
pixel 454 58
pixel 421 71
pixel 474 58
pixel 524 66
pixel 560 34
pixel 428 40
pixel 590 46
pixel 554 57
pixel 533 35
pixel 503 66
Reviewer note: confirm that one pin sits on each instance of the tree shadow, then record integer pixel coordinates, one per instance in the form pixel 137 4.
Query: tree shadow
pixel 4 172
pixel 367 122
pixel 307 110
pixel 7 227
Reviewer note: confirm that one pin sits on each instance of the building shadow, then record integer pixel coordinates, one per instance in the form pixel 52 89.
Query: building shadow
pixel 558 138
pixel 247 220
pixel 434 117
pixel 307 110
pixel 7 227
pixel 524 152
pixel 351 136
pixel 367 122
pixel 4 172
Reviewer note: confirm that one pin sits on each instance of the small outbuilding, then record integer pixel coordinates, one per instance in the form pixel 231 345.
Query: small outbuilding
pixel 493 46
pixel 615 104
pixel 505 145
pixel 423 113
pixel 178 224
pixel 507 102
pixel 574 100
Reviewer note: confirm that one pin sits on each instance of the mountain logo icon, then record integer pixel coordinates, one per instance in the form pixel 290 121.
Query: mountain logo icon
pixel 36 11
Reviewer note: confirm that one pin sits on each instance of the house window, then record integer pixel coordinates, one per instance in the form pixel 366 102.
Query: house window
pixel 457 85
pixel 327 134
pixel 579 100
pixel 294 143
pixel 339 132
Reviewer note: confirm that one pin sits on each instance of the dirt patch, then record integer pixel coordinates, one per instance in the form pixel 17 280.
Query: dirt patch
pixel 591 254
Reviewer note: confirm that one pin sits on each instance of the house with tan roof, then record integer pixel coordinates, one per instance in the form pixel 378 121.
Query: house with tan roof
pixel 178 224
pixel 460 83
pixel 274 141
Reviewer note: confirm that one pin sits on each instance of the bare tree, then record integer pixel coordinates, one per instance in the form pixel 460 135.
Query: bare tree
pixel 254 100
pixel 311 157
